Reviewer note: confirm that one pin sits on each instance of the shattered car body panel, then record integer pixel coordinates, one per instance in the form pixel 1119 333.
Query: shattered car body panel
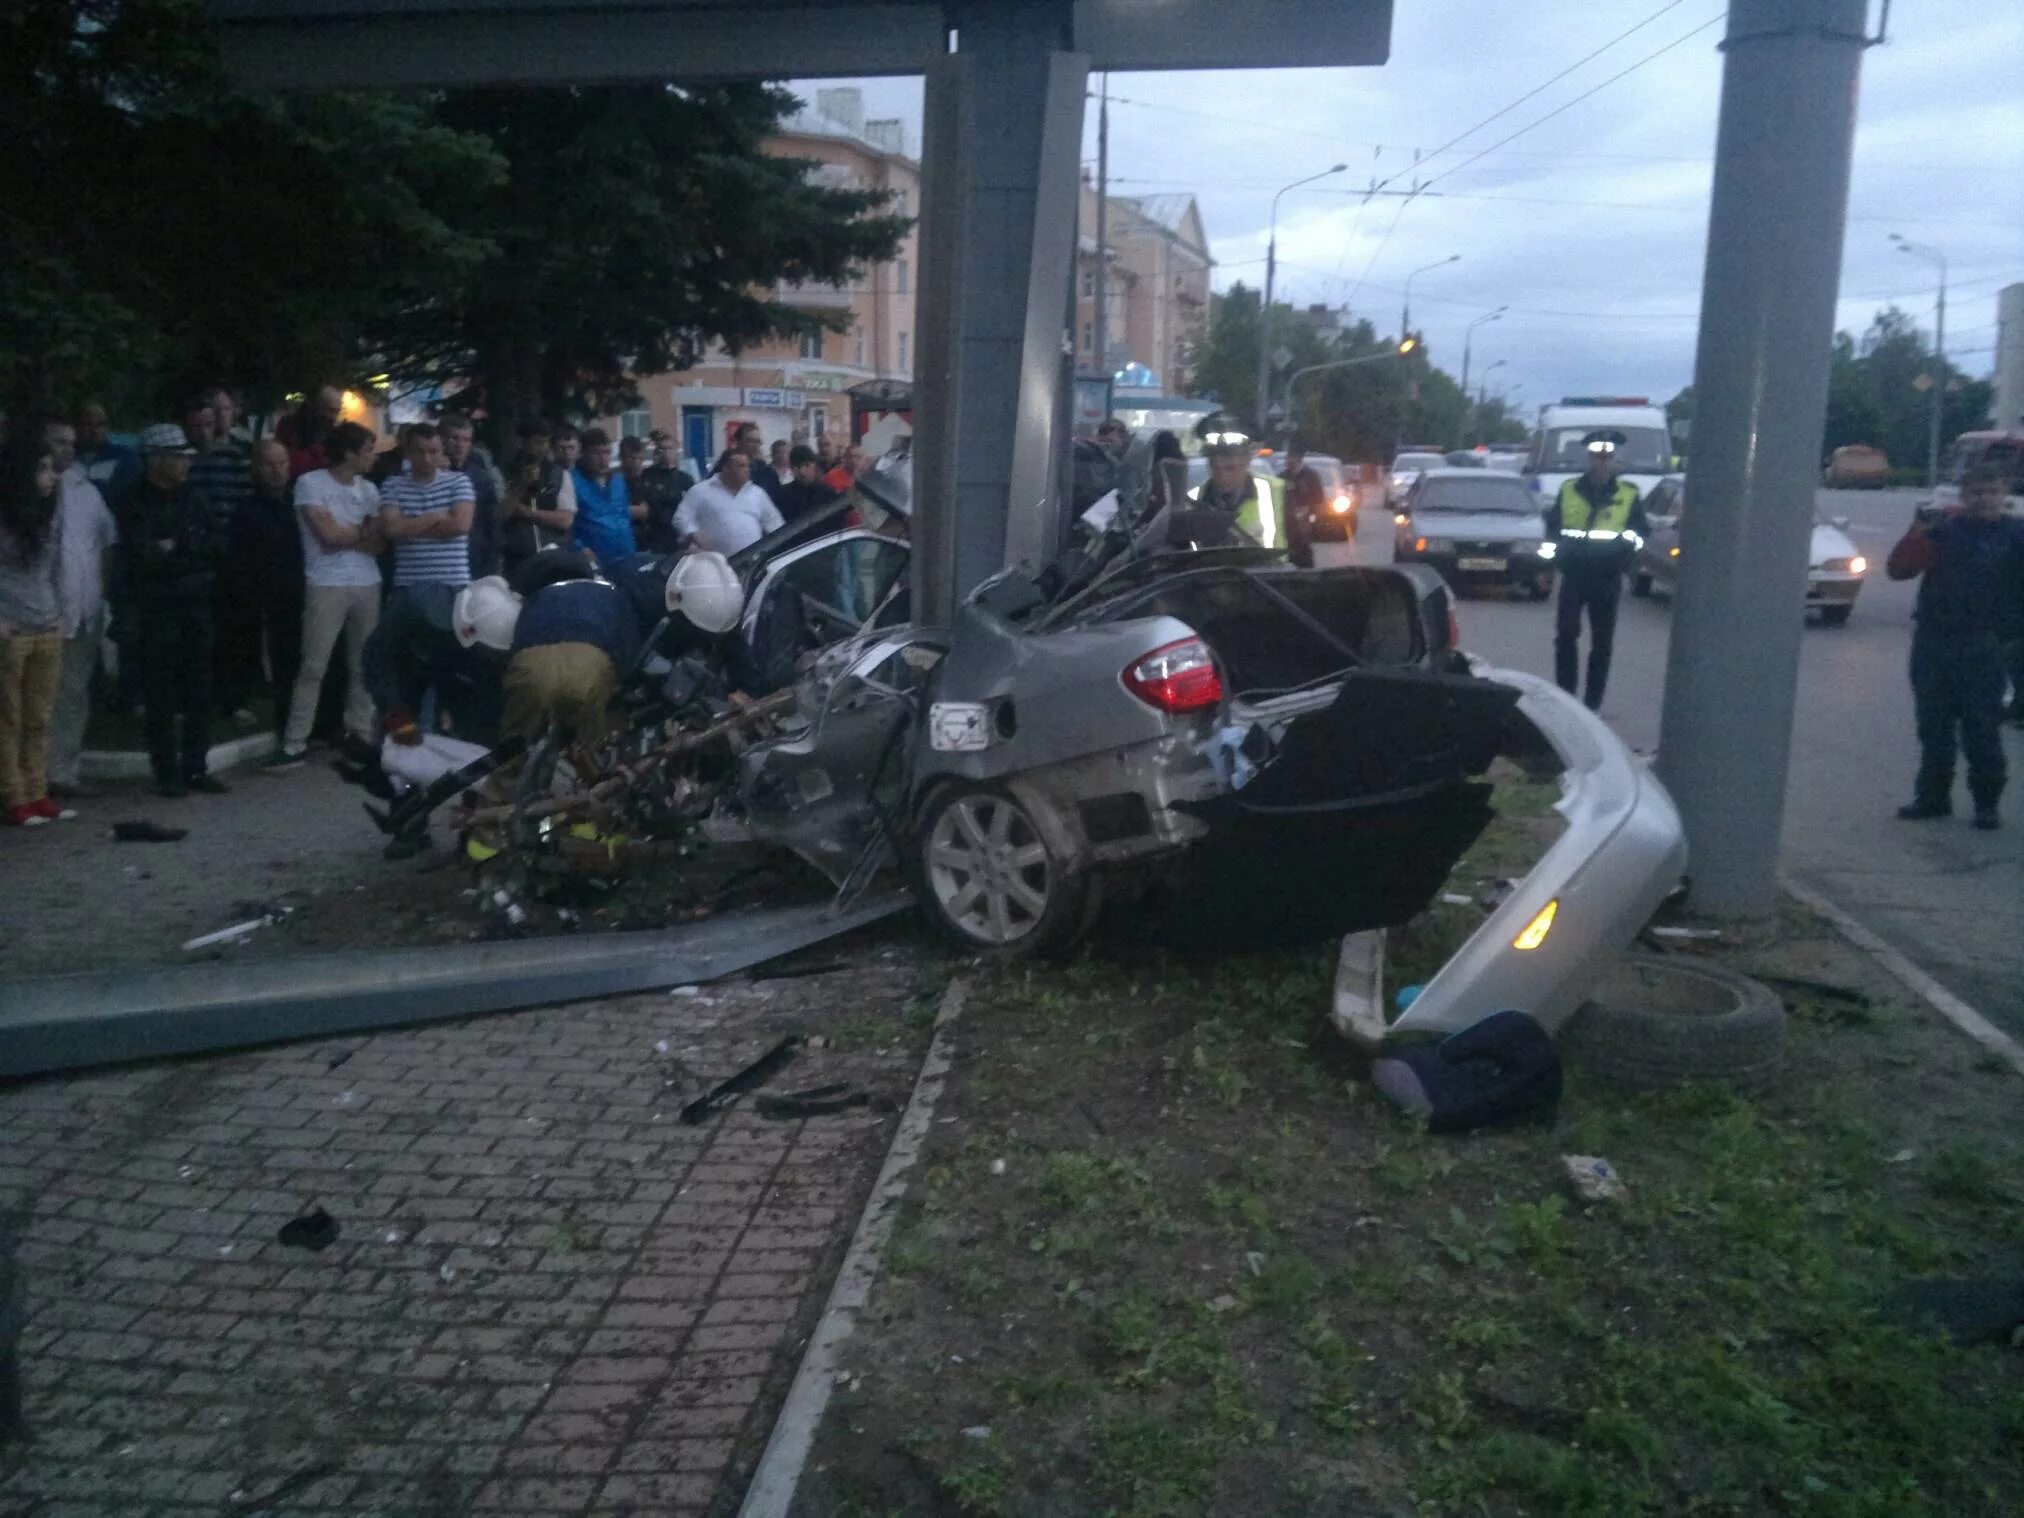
pixel 1622 852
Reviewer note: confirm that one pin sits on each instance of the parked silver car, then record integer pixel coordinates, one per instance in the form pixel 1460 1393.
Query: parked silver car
pixel 1835 567
pixel 1476 526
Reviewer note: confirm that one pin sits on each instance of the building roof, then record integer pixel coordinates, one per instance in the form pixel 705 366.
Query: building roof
pixel 812 121
pixel 1176 214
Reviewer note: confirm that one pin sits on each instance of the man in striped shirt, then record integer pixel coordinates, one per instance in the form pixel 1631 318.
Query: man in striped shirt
pixel 426 511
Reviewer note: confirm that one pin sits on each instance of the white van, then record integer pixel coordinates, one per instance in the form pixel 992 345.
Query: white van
pixel 1644 458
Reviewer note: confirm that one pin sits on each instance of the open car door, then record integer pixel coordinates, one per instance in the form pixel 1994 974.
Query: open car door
pixel 821 592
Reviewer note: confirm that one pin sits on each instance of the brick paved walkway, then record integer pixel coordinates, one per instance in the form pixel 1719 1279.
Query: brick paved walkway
pixel 549 1296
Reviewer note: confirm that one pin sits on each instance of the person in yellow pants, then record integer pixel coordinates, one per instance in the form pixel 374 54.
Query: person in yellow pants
pixel 31 635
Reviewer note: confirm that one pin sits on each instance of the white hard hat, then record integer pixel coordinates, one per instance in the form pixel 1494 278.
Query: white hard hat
pixel 705 590
pixel 486 612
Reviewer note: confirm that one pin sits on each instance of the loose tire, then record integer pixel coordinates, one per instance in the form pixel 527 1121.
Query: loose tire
pixel 987 879
pixel 1641 585
pixel 1656 1021
pixel 1835 616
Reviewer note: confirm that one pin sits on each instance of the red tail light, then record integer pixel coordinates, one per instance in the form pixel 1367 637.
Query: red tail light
pixel 1181 677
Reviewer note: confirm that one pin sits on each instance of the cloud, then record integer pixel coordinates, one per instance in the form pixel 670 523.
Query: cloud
pixel 1592 227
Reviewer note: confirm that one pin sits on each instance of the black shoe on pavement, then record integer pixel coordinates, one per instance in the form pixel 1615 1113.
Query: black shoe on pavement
pixel 171 788
pixel 1986 819
pixel 209 785
pixel 357 750
pixel 1925 811
pixel 284 759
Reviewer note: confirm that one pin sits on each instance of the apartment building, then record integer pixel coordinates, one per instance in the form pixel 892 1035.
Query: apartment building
pixel 797 390
pixel 1158 267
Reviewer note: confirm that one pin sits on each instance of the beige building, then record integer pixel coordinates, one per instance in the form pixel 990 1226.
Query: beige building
pixel 1158 300
pixel 797 390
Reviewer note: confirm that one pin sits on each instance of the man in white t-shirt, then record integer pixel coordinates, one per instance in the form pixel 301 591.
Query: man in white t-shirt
pixel 727 511
pixel 339 512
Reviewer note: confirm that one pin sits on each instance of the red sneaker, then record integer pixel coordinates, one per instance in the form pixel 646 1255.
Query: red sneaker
pixel 55 811
pixel 26 815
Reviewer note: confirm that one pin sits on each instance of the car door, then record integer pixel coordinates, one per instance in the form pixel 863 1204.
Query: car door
pixel 820 592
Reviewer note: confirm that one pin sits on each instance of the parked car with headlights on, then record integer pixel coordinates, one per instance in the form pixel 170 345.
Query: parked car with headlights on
pixel 1834 574
pixel 1476 526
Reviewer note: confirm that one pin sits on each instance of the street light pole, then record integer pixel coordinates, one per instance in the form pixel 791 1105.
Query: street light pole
pixel 1483 388
pixel 1340 363
pixel 1939 398
pixel 1262 402
pixel 1406 305
pixel 1468 333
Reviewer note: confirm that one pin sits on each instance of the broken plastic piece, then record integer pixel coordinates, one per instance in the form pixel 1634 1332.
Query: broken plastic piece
pixel 815 1101
pixel 1594 1178
pixel 726 1090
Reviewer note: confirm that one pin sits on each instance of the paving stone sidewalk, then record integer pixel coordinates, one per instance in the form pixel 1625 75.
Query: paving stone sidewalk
pixel 548 1295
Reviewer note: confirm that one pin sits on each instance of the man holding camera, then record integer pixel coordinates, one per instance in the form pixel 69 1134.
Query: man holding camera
pixel 1970 565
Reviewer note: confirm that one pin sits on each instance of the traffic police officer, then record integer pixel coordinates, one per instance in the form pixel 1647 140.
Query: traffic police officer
pixel 1253 505
pixel 1595 527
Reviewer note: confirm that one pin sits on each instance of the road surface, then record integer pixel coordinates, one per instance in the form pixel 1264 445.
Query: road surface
pixel 1948 897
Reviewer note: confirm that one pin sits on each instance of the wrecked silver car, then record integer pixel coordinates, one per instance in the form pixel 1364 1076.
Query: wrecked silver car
pixel 1278 754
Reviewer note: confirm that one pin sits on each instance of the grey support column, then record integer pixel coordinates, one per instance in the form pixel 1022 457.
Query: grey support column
pixel 1760 384
pixel 1018 116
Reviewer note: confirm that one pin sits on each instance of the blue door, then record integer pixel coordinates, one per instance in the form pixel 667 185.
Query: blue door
pixel 696 439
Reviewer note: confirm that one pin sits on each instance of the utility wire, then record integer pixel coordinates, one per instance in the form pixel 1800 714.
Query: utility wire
pixel 1585 94
pixel 1537 89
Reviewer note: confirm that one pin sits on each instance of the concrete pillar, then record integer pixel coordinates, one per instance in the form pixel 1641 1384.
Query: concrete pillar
pixel 1775 229
pixel 998 255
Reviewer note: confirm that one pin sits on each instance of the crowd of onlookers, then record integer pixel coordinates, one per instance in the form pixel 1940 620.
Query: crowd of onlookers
pixel 186 575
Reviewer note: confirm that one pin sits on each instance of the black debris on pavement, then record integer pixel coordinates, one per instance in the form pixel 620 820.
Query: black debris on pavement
pixel 141 830
pixel 815 1101
pixel 314 1230
pixel 731 1087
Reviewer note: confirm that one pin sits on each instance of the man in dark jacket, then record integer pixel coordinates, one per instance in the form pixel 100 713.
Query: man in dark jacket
pixel 654 493
pixel 264 566
pixel 169 555
pixel 805 489
pixel 1970 568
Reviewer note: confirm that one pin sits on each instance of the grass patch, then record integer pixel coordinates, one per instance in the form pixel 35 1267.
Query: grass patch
pixel 1216 1274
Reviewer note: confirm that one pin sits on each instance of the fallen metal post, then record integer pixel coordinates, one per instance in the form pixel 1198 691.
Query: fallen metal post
pixel 69 1022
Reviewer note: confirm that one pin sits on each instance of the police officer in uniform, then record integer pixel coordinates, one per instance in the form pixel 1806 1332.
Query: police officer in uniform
pixel 1595 526
pixel 1233 506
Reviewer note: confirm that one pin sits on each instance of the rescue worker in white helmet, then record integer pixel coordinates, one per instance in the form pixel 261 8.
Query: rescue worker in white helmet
pixel 1594 528
pixel 574 640
pixel 1234 505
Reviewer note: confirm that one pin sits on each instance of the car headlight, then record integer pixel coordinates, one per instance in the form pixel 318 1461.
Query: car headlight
pixel 1340 505
pixel 1855 566
pixel 1400 519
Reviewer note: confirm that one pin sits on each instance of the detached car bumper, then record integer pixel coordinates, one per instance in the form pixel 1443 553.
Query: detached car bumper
pixel 1622 853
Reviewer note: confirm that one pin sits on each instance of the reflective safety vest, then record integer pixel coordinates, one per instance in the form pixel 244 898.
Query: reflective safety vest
pixel 1263 514
pixel 1610 526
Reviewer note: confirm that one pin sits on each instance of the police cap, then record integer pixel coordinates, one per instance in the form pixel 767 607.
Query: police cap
pixel 1605 440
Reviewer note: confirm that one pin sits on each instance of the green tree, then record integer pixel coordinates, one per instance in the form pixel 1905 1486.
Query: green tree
pixel 633 227
pixel 155 228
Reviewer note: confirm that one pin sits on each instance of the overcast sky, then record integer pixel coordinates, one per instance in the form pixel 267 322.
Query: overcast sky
pixel 1602 297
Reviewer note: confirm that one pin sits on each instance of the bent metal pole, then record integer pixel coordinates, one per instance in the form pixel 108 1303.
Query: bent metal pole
pixel 1775 226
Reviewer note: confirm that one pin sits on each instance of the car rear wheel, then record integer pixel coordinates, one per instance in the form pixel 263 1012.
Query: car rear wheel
pixel 988 879
pixel 1835 616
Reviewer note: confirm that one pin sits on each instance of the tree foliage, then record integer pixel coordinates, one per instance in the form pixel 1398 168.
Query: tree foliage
pixel 1360 412
pixel 634 227
pixel 156 228
pixel 1875 393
